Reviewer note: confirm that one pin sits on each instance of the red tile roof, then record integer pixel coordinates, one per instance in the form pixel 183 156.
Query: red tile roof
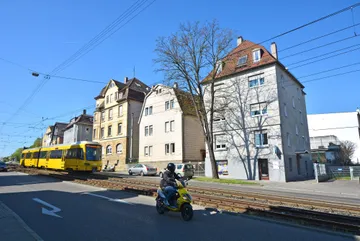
pixel 230 66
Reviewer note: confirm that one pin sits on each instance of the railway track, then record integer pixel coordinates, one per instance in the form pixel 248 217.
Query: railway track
pixel 300 211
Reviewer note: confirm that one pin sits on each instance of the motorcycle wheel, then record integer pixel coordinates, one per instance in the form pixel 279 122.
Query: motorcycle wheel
pixel 187 212
pixel 159 208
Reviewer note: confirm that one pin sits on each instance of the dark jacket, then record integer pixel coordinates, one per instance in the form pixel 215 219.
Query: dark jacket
pixel 169 179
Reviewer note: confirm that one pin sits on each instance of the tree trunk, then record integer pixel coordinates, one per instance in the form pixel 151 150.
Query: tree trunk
pixel 214 170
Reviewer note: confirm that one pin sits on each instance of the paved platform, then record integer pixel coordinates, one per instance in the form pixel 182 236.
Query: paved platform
pixel 13 228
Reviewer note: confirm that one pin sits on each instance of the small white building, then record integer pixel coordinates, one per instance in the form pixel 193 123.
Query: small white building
pixel 80 128
pixel 169 128
pixel 345 126
pixel 265 101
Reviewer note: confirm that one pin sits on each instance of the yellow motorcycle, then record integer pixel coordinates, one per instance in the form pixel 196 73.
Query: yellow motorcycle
pixel 182 199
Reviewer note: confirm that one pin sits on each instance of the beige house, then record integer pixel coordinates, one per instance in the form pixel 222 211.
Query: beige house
pixel 46 140
pixel 116 116
pixel 54 135
pixel 169 128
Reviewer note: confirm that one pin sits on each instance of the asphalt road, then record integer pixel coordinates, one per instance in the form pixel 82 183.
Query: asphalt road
pixel 88 213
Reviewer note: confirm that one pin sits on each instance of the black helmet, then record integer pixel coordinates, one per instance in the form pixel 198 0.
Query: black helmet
pixel 171 167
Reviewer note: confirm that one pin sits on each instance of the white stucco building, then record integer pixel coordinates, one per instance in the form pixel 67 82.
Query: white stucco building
pixel 345 126
pixel 169 130
pixel 274 117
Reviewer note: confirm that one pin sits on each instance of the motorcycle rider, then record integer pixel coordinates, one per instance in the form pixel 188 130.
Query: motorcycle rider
pixel 168 183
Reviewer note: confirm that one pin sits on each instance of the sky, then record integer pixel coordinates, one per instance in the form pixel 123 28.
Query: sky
pixel 39 35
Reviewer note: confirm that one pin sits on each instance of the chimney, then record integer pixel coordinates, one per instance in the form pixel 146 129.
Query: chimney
pixel 84 112
pixel 176 85
pixel 273 49
pixel 239 40
pixel 126 80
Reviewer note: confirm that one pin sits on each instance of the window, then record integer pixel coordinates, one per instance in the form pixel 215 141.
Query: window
pixel 146 151
pixel 110 114
pixel 57 154
pixel 120 95
pixel 107 99
pixel 36 155
pixel 95 115
pixel 146 130
pixel 120 113
pixel 301 117
pixel 293 102
pixel 111 85
pixel 94 134
pixel 119 128
pixel 167 148
pixel 102 132
pixel 109 130
pixel 218 119
pixel 285 110
pixel 256 55
pixel 172 148
pixel 150 110
pixel 111 98
pixel 261 139
pixel 150 130
pixel 172 125
pixel 103 115
pixel 171 104
pixel 146 111
pixel 116 95
pixel 290 164
pixel 119 148
pixel 150 150
pixel 218 67
pixel 288 139
pixel 75 153
pixel 28 155
pixel 167 126
pixel 220 142
pixel 296 130
pixel 167 105
pixel 43 154
pixel 258 109
pixel 108 150
pixel 242 60
pixel 256 80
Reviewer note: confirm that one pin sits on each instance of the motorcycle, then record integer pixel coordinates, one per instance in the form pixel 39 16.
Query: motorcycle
pixel 182 199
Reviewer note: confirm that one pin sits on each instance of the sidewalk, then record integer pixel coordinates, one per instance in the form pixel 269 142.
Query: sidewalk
pixel 13 228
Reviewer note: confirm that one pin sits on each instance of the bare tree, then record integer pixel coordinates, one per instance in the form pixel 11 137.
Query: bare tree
pixel 246 122
pixel 187 57
pixel 347 150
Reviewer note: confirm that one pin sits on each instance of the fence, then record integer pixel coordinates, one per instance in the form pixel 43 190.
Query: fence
pixel 199 169
pixel 355 173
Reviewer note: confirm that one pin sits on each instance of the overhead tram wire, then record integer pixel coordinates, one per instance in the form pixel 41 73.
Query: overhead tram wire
pixel 330 76
pixel 320 46
pixel 322 55
pixel 97 44
pixel 44 81
pixel 329 70
pixel 332 56
pixel 322 36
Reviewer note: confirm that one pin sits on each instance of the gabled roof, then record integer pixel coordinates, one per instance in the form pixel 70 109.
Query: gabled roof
pixel 61 128
pixel 51 129
pixel 230 62
pixel 82 119
pixel 133 84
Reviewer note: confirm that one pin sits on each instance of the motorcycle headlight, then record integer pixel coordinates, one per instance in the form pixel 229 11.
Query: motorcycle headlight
pixel 187 197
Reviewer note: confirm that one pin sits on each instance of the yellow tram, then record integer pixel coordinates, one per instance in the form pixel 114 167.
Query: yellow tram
pixel 79 156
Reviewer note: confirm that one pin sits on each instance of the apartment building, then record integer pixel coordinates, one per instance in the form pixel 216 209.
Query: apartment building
pixel 115 127
pixel 263 133
pixel 80 128
pixel 169 128
pixel 54 134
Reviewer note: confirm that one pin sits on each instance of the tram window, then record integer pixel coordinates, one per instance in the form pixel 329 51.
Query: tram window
pixel 28 155
pixel 36 155
pixel 43 154
pixel 56 154
pixel 75 153
pixel 22 156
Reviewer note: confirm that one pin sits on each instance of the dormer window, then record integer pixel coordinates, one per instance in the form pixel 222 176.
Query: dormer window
pixel 256 55
pixel 242 60
pixel 219 66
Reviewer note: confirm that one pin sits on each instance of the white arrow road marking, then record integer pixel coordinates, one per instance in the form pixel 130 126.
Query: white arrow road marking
pixel 46 211
pixel 107 198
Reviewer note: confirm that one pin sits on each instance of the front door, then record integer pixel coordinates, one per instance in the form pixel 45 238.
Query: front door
pixel 263 169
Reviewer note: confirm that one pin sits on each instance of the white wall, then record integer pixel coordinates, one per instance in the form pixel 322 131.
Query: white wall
pixel 344 126
pixel 157 120
pixel 194 140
